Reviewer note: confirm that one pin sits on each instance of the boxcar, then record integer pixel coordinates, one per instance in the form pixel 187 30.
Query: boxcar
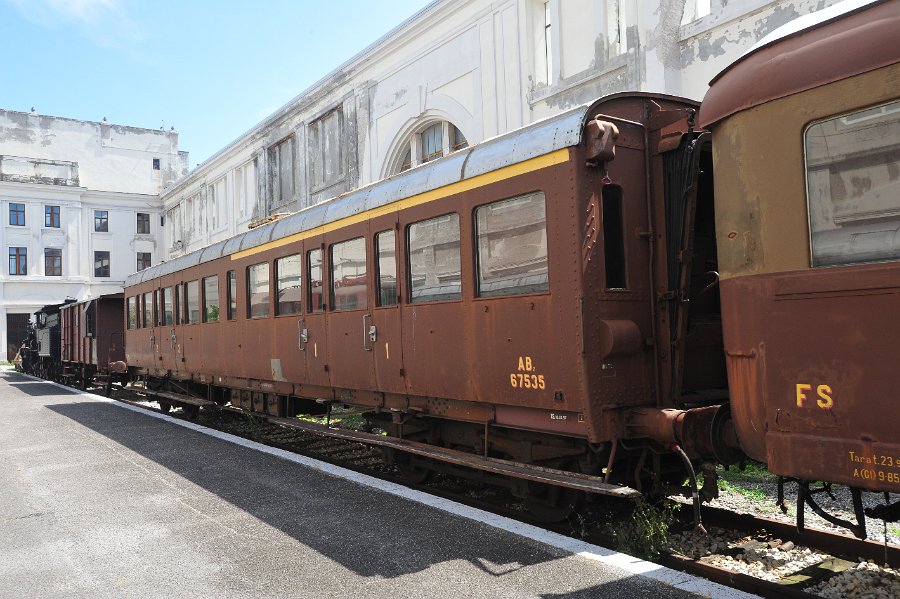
pixel 93 340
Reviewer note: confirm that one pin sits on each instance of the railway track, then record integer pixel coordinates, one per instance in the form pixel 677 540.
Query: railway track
pixel 738 540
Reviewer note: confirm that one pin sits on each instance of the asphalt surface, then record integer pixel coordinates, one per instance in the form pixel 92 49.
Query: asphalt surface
pixel 100 501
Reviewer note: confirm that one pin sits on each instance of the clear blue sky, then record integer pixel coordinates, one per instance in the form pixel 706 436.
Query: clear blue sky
pixel 212 69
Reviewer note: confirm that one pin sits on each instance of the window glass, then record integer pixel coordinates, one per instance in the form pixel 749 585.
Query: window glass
pixel 613 238
pixel 192 301
pixel 211 299
pixel 17 215
pixel 18 261
pixel 349 286
pixel 433 247
pixel 852 169
pixel 386 248
pixel 314 280
pixel 148 309
pixel 232 295
pixel 168 307
pixel 512 246
pixel 432 142
pixel 53 262
pixel 287 273
pixel 258 290
pixel 143 223
pixel 101 264
pixel 143 260
pixel 179 317
pixel 101 221
pixel 51 216
pixel 132 312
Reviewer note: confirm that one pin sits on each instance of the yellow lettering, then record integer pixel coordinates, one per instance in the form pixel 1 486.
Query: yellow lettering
pixel 528 364
pixel 521 363
pixel 801 396
pixel 824 392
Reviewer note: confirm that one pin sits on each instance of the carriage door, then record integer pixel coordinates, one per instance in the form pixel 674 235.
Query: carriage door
pixel 386 337
pixel 351 336
pixel 312 328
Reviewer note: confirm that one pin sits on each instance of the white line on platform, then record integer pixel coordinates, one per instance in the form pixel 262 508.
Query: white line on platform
pixel 633 565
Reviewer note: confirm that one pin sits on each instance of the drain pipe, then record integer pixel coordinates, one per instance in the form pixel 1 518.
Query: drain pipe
pixel 695 495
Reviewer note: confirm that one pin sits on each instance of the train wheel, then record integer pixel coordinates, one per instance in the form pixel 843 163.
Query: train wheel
pixel 164 407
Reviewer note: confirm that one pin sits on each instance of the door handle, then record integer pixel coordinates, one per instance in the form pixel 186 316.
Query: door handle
pixel 173 339
pixel 370 333
pixel 302 335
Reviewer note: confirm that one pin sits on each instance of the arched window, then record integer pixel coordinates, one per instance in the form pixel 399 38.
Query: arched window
pixel 435 140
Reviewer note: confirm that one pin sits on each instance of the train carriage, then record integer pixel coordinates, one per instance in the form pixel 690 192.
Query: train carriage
pixel 92 341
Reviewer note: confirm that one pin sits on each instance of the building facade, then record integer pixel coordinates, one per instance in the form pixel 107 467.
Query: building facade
pixel 458 72
pixel 80 207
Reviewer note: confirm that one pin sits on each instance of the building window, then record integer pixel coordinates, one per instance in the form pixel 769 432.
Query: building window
pixel 101 221
pixel 436 140
pixel 168 315
pixel 143 260
pixel 156 164
pixel 386 250
pixel 325 151
pixel 695 9
pixel 18 261
pixel 512 246
pixel 132 312
pixel 52 262
pixel 434 262
pixel 316 302
pixel 211 299
pixel 232 295
pixel 101 264
pixel 216 204
pixel 542 42
pixel 349 285
pixel 281 167
pixel 51 216
pixel 617 27
pixel 17 215
pixel 287 282
pixel 852 168
pixel 258 290
pixel 192 302
pixel 245 187
pixel 143 223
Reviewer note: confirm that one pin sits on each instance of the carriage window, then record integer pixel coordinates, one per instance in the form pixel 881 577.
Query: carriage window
pixel 168 307
pixel 512 246
pixel 192 302
pixel 852 169
pixel 148 309
pixel 132 312
pixel 386 249
pixel 314 280
pixel 613 237
pixel 287 281
pixel 211 299
pixel 349 286
pixel 434 271
pixel 232 295
pixel 258 290
pixel 179 317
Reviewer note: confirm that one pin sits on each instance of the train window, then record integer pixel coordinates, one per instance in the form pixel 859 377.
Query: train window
pixel 433 256
pixel 132 312
pixel 349 285
pixel 168 307
pixel 852 167
pixel 512 246
pixel 386 250
pixel 314 281
pixel 179 317
pixel 232 295
pixel 148 309
pixel 211 299
pixel 192 302
pixel 613 237
pixel 258 290
pixel 287 282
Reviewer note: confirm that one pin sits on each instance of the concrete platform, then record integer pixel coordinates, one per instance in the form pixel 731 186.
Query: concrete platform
pixel 100 500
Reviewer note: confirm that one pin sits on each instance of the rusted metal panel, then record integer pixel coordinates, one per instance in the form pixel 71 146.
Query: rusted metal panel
pixel 819 56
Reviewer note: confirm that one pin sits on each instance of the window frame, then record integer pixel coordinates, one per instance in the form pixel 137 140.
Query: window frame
pixel 231 294
pixel 297 305
pixel 167 317
pixel 207 307
pixel 187 301
pixel 20 255
pixel 57 269
pixel 139 229
pixel 379 291
pixel 333 280
pixel 250 281
pixel 52 216
pixel 101 221
pixel 410 299
pixel 310 309
pixel 149 257
pixel 131 313
pixel 17 213
pixel 107 268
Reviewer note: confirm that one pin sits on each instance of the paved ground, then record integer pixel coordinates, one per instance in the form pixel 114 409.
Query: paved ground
pixel 101 501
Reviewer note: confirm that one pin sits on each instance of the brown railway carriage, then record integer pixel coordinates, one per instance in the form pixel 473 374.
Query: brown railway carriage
pixel 806 137
pixel 92 339
pixel 515 299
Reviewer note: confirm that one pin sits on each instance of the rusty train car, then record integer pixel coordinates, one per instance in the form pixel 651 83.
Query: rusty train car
pixel 587 300
pixel 92 342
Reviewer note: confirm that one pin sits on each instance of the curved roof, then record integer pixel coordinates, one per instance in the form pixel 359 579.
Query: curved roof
pixel 847 39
